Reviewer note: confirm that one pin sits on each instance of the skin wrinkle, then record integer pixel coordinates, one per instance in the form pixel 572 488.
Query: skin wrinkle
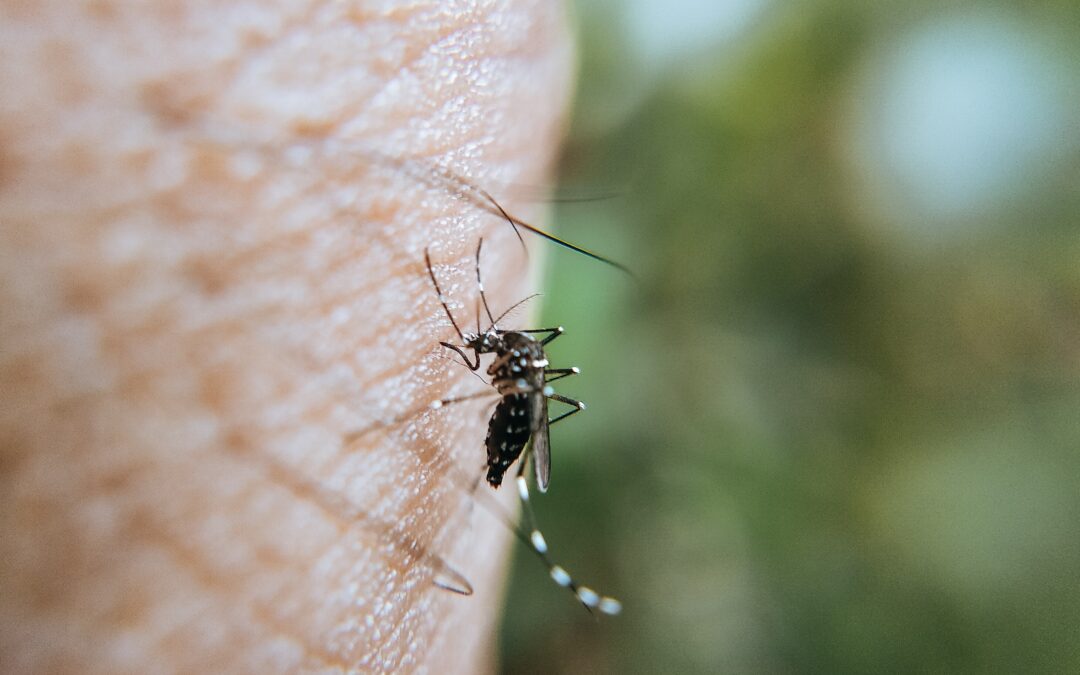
pixel 174 323
pixel 259 613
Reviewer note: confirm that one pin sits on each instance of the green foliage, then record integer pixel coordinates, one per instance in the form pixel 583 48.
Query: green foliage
pixel 817 440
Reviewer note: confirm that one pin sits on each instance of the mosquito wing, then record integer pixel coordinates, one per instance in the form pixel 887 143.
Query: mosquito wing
pixel 541 446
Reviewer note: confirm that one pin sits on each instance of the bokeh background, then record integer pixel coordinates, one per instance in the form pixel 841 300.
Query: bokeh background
pixel 835 425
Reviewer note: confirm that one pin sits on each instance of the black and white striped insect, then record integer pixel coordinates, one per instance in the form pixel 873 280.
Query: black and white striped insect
pixel 519 427
pixel 521 376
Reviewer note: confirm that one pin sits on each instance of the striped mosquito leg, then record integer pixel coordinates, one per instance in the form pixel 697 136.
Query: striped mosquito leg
pixel 553 333
pixel 585 595
pixel 578 405
pixel 552 374
pixel 480 287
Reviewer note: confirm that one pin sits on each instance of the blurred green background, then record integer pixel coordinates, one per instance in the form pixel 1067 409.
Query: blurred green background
pixel 836 426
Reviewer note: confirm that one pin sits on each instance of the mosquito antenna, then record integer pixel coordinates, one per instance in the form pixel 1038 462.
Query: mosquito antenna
pixel 514 306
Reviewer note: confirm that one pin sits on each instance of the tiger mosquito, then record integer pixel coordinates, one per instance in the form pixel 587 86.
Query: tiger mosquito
pixel 519 427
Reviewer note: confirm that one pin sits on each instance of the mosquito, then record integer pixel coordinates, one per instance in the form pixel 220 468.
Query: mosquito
pixel 518 430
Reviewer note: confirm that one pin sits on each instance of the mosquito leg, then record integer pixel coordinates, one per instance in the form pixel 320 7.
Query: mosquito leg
pixel 564 416
pixel 555 332
pixel 578 406
pixel 449 315
pixel 560 373
pixel 480 285
pixel 589 598
pixel 442 298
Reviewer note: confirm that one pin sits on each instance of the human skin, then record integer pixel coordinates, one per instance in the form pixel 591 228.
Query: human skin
pixel 207 283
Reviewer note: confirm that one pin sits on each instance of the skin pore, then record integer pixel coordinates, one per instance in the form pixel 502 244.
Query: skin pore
pixel 207 283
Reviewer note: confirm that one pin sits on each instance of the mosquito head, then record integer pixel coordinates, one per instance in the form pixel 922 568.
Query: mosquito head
pixel 484 343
